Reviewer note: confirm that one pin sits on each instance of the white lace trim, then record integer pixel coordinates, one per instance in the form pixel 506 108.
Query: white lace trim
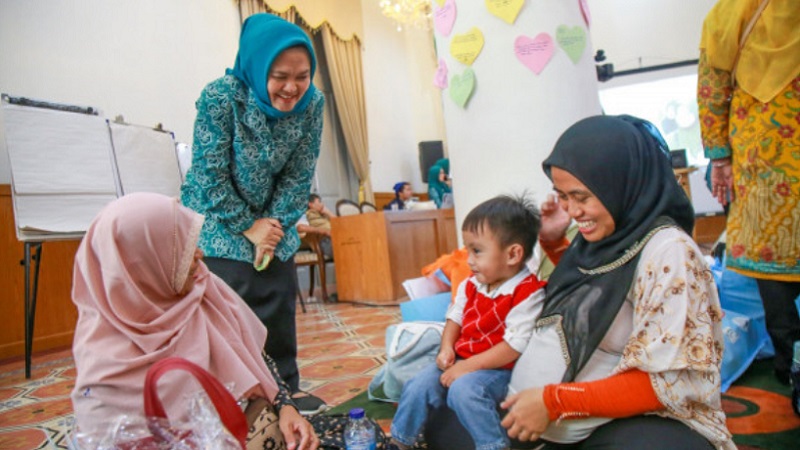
pixel 184 262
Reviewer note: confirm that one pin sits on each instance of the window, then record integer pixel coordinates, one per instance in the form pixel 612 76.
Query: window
pixel 669 103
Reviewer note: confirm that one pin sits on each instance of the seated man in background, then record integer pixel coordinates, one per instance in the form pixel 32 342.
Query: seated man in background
pixel 317 220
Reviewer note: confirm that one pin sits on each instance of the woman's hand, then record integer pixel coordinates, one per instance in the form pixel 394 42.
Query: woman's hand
pixel 297 431
pixel 527 416
pixel 445 358
pixel 555 220
pixel 265 234
pixel 722 180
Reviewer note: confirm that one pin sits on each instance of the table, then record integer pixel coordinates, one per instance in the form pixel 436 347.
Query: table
pixel 375 252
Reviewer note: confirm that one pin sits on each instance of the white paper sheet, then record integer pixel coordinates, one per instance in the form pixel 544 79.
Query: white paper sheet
pixel 146 160
pixel 57 152
pixel 43 217
pixel 423 287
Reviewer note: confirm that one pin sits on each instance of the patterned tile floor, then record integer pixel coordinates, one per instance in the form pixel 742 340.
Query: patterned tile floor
pixel 340 345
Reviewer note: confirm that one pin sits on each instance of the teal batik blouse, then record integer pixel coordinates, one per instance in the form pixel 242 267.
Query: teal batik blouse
pixel 247 166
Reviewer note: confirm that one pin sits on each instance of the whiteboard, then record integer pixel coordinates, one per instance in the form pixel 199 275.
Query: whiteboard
pixel 58 152
pixel 146 160
pixel 66 166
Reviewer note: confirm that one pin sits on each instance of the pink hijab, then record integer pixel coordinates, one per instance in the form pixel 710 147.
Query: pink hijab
pixel 132 263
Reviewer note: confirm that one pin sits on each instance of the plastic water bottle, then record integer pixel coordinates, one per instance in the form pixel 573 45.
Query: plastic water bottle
pixel 795 376
pixel 359 434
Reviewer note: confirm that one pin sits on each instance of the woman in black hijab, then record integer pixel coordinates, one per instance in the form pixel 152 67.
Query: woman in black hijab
pixel 629 344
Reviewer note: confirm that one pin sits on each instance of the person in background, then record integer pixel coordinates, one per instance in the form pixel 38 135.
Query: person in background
pixel 143 294
pixel 487 327
pixel 402 194
pixel 438 181
pixel 317 220
pixel 256 143
pixel 629 343
pixel 751 133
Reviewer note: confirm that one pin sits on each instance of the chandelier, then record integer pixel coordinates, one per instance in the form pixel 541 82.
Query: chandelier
pixel 416 13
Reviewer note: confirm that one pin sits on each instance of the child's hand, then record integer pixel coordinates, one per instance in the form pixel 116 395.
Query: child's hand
pixel 445 358
pixel 455 372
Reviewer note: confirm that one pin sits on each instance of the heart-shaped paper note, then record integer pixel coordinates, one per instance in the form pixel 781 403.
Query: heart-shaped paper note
pixel 466 47
pixel 587 17
pixel 507 10
pixel 572 41
pixel 534 53
pixel 445 17
pixel 461 87
pixel 440 77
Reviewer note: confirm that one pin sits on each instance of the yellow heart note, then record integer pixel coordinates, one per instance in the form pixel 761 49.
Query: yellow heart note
pixel 507 10
pixel 466 47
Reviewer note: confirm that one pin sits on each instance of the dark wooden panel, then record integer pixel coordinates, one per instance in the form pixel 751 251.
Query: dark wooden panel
pixel 55 313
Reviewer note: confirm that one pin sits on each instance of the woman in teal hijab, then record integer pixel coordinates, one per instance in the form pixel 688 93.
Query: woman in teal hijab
pixel 439 181
pixel 256 143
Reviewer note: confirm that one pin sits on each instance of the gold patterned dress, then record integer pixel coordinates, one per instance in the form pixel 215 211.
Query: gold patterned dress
pixel 763 139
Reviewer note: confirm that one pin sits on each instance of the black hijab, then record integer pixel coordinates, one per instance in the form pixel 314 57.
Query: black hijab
pixel 625 162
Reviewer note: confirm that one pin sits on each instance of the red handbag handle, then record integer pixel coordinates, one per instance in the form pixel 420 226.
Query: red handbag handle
pixel 229 411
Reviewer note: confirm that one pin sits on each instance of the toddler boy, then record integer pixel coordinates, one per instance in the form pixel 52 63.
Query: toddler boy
pixel 488 327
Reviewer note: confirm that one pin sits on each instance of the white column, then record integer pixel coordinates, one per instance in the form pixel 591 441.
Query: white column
pixel 497 142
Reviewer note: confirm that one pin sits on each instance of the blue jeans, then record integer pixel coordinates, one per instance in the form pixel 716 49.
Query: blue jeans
pixel 474 398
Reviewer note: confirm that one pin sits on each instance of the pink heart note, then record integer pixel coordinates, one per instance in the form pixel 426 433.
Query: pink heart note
pixel 445 17
pixel 440 78
pixel 534 53
pixel 587 17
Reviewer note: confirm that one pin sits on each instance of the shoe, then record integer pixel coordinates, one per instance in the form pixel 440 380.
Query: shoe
pixel 308 404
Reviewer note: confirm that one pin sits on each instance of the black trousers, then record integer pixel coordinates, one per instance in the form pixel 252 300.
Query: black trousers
pixel 443 431
pixel 271 294
pixel 782 319
pixel 640 432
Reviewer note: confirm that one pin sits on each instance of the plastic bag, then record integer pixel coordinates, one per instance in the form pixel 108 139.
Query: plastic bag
pixel 214 420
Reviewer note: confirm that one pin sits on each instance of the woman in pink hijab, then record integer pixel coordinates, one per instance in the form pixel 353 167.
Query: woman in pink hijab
pixel 143 294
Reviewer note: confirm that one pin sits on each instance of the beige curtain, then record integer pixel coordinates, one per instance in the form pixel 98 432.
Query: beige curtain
pixel 249 7
pixel 344 66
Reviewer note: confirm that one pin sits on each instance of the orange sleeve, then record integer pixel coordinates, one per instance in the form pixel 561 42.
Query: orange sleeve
pixel 554 249
pixel 623 395
pixel 454 266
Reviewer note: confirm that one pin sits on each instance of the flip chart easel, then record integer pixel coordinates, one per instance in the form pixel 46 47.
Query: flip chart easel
pixel 67 163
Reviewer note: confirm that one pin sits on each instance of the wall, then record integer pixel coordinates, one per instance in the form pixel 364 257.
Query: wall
pixel 514 116
pixel 147 60
pixel 647 33
pixel 403 107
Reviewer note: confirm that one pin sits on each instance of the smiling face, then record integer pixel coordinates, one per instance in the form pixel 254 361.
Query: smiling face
pixel 189 284
pixel 491 264
pixel 289 78
pixel 594 221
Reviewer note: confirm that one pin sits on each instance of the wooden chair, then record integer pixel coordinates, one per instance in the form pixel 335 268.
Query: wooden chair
pixel 310 255
pixel 346 207
pixel 367 207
